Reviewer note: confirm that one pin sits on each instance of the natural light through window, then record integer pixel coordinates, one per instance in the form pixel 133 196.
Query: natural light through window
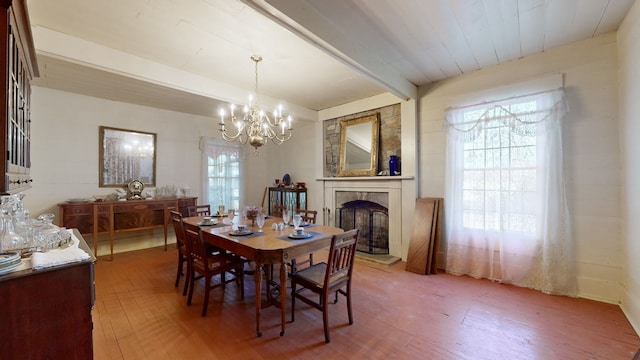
pixel 499 186
pixel 222 173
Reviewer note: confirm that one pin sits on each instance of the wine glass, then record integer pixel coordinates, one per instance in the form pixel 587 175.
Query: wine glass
pixel 232 214
pixel 260 221
pixel 285 216
pixel 297 220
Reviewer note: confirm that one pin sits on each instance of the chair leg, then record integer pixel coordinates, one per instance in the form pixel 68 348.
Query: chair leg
pixel 325 318
pixel 240 275
pixel 191 286
pixel 187 279
pixel 348 295
pixel 207 289
pixel 293 299
pixel 180 266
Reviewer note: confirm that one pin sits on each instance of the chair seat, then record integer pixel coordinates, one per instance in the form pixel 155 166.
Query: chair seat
pixel 314 275
pixel 217 260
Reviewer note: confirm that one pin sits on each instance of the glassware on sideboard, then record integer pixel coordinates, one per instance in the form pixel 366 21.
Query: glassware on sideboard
pixel 19 232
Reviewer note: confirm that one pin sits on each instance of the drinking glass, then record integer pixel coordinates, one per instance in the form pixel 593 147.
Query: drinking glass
pixel 260 221
pixel 232 214
pixel 297 220
pixel 285 216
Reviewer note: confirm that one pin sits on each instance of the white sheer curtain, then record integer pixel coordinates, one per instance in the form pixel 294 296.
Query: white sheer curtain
pixel 222 171
pixel 506 212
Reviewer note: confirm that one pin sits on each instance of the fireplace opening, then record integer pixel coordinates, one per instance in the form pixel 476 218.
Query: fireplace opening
pixel 373 221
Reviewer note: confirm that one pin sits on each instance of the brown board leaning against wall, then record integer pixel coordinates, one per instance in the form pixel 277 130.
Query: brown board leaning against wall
pixel 425 237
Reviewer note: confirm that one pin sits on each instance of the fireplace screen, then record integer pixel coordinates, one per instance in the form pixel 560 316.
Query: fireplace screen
pixel 373 221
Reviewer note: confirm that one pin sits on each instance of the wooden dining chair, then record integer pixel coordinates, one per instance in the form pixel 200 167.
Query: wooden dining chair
pixel 319 280
pixel 308 216
pixel 178 227
pixel 199 210
pixel 205 265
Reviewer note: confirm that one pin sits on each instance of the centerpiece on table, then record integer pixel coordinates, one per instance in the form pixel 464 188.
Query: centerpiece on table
pixel 251 213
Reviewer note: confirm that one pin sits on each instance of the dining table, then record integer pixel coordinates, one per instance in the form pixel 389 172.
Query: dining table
pixel 266 247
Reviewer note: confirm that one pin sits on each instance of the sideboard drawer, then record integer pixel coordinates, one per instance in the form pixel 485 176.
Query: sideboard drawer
pixel 84 209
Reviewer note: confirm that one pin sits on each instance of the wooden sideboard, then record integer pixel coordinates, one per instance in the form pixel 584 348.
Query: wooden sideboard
pixel 46 314
pixel 98 217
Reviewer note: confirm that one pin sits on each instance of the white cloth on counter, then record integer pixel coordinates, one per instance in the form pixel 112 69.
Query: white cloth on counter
pixel 73 253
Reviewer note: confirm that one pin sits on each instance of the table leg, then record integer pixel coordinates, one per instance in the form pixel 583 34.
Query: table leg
pixel 283 295
pixel 258 278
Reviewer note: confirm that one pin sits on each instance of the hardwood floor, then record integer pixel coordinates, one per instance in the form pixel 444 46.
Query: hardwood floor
pixel 138 314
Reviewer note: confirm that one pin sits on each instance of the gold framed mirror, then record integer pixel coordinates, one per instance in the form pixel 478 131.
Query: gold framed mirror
pixel 359 146
pixel 125 156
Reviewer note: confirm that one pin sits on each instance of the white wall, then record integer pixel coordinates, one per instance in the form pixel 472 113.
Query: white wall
pixel 590 143
pixel 629 75
pixel 65 150
pixel 296 158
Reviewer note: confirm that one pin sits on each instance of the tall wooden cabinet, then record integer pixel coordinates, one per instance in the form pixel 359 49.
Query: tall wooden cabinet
pixel 17 59
pixel 291 197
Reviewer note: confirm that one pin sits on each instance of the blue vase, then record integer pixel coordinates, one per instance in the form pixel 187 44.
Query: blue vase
pixel 393 165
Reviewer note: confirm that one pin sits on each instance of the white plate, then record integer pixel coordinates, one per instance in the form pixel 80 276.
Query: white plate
pixel 304 235
pixel 7 257
pixel 207 223
pixel 240 233
pixel 8 269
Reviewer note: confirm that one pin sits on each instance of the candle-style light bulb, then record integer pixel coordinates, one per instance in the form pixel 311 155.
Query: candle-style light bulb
pixel 222 115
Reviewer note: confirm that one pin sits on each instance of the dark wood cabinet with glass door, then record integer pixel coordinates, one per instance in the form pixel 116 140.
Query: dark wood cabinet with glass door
pixel 17 57
pixel 292 198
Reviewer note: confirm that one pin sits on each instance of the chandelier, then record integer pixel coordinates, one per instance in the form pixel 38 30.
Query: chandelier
pixel 255 126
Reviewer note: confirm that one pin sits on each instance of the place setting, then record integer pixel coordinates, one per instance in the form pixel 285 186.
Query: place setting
pixel 209 221
pixel 300 234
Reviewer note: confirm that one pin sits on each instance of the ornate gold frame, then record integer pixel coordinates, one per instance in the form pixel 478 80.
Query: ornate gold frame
pixel 345 169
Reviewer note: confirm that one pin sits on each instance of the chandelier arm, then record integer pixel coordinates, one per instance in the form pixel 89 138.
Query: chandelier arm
pixel 239 132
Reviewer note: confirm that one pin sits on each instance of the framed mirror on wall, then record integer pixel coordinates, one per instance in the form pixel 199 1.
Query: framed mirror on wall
pixel 359 140
pixel 126 155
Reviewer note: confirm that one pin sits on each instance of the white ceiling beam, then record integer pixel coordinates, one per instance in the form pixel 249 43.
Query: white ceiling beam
pixel 302 19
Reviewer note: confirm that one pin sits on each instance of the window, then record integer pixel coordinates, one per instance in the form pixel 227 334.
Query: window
pixel 499 186
pixel 223 172
pixel 505 206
